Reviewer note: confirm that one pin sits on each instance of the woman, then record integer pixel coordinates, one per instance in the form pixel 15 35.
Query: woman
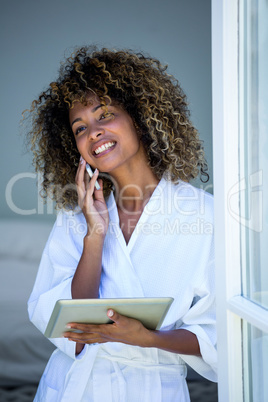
pixel 145 233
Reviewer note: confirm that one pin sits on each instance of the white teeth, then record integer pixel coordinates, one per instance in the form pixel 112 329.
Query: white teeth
pixel 104 147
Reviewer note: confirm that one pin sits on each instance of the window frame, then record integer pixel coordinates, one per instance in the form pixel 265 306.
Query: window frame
pixel 232 307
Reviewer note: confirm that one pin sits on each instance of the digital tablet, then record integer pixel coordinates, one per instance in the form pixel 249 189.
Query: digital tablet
pixel 150 311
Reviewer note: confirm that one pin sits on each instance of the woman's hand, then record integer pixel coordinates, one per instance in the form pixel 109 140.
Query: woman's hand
pixel 91 201
pixel 124 329
pixel 86 280
pixel 132 332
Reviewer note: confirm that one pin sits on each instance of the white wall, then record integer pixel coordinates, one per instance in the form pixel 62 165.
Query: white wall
pixel 35 35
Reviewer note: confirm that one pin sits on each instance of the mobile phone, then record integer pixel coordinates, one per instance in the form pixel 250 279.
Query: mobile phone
pixel 89 170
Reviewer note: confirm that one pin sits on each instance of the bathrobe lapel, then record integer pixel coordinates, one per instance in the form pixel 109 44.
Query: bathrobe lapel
pixel 119 276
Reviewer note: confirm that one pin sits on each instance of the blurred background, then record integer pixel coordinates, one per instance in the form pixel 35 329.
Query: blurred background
pixel 35 37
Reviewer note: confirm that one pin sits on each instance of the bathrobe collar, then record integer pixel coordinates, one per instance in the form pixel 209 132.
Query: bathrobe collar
pixel 151 206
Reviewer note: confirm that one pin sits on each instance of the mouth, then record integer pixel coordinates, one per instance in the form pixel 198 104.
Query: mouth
pixel 103 148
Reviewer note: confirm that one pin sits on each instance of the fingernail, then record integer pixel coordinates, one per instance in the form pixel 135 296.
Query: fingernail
pixel 96 171
pixel 68 326
pixel 81 160
pixel 110 313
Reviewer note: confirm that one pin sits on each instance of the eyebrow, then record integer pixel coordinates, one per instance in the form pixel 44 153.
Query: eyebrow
pixel 93 111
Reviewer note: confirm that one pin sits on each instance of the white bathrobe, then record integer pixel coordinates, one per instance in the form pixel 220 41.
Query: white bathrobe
pixel 170 253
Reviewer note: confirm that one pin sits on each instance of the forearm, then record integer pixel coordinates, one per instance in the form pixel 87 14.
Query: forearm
pixel 86 280
pixel 176 341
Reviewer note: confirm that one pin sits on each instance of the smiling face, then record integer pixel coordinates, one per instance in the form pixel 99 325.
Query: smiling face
pixel 105 136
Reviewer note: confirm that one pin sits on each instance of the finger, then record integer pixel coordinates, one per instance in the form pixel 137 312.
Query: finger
pixel 89 341
pixel 88 328
pixel 91 189
pixel 85 337
pixel 79 179
pixel 86 179
pixel 88 198
pixel 80 168
pixel 80 336
pixel 93 179
pixel 84 341
pixel 117 318
pixel 99 193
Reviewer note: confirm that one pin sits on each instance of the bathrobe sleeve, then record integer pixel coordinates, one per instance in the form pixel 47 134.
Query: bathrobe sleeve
pixel 53 282
pixel 201 320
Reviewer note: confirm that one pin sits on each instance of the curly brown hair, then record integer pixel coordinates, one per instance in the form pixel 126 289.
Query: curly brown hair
pixel 141 85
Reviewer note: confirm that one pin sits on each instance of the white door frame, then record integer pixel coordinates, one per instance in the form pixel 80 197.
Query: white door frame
pixel 232 307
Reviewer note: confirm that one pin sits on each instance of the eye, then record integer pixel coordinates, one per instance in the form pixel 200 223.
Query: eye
pixel 106 115
pixel 79 129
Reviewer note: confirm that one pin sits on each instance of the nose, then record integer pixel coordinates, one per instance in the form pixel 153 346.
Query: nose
pixel 95 132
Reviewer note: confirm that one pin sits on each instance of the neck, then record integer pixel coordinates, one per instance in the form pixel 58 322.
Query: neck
pixel 134 188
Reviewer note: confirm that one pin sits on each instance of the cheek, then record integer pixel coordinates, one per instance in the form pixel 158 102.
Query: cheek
pixel 82 146
pixel 132 134
pixel 135 140
pixel 80 143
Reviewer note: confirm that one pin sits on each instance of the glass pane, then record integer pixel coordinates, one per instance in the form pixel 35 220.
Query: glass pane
pixel 255 355
pixel 253 99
